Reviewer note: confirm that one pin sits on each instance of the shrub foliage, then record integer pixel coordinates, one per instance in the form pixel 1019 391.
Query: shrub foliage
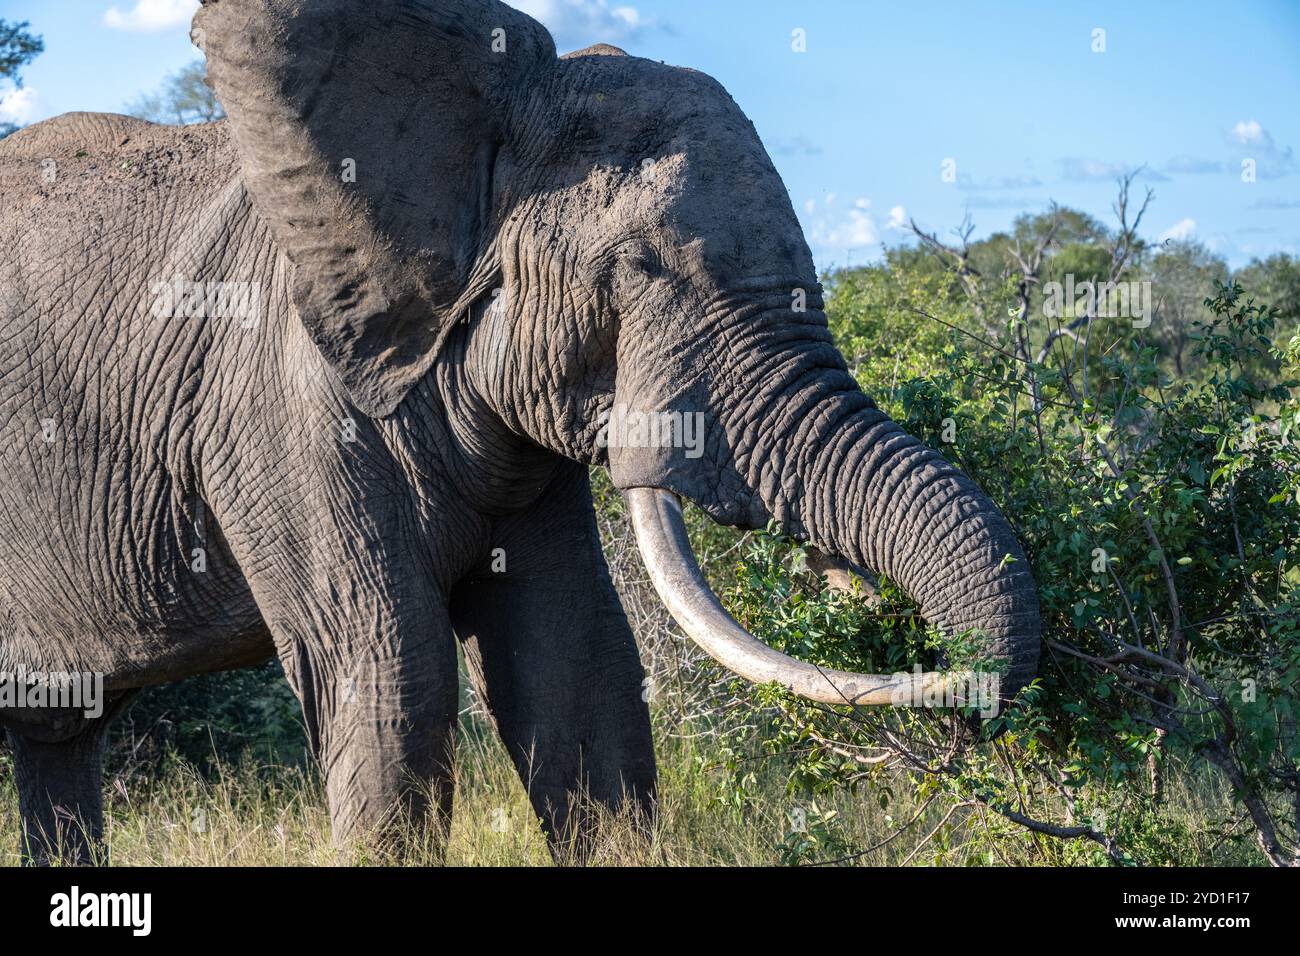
pixel 1160 512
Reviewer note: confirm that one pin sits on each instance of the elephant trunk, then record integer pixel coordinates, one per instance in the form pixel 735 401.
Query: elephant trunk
pixel 875 496
pixel 837 472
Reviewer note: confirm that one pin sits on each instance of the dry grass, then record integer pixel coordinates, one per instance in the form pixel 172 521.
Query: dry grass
pixel 276 816
pixel 254 815
pixel 257 815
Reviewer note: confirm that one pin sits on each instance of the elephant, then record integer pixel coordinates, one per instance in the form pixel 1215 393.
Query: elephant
pixel 324 380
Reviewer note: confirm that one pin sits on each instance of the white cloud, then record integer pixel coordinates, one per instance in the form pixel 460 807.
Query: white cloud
pixel 1272 203
pixel 1091 169
pixel 1182 229
pixel 1020 181
pixel 837 233
pixel 18 105
pixel 858 230
pixel 1193 166
pixel 897 218
pixel 579 23
pixel 1224 245
pixel 1096 170
pixel 1273 160
pixel 1248 131
pixel 151 16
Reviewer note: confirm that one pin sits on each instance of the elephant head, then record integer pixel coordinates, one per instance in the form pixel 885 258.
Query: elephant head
pixel 605 246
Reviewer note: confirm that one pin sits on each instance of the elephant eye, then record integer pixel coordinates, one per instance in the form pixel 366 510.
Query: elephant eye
pixel 643 259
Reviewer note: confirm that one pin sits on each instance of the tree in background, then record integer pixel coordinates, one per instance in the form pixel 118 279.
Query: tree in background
pixel 17 49
pixel 1276 280
pixel 1183 272
pixel 1150 468
pixel 184 98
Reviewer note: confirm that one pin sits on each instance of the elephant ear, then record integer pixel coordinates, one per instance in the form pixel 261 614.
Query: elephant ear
pixel 367 131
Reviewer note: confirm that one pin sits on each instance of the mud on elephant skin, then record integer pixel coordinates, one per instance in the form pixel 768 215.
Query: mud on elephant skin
pixel 461 260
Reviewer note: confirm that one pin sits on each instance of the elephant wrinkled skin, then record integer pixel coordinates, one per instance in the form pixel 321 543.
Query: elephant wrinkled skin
pixel 323 380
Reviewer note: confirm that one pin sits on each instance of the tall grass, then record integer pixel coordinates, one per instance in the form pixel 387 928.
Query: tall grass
pixel 724 798
pixel 254 814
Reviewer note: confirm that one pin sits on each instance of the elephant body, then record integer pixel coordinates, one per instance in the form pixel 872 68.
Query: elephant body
pixel 109 413
pixel 197 433
pixel 453 254
pixel 138 439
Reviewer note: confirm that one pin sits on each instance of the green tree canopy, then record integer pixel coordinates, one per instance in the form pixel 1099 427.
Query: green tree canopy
pixel 183 98
pixel 18 47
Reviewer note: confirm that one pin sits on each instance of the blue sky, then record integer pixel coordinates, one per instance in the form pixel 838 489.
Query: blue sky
pixel 861 123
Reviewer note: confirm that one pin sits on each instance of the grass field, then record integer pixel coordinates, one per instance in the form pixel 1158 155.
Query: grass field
pixel 254 814
pixel 724 799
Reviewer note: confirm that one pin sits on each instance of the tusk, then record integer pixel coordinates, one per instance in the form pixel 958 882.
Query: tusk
pixel 661 536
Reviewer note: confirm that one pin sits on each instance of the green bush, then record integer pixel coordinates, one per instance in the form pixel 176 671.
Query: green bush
pixel 211 721
pixel 1161 516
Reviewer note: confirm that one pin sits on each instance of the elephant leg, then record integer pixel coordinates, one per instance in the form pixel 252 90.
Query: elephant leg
pixel 380 709
pixel 359 621
pixel 549 650
pixel 60 790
